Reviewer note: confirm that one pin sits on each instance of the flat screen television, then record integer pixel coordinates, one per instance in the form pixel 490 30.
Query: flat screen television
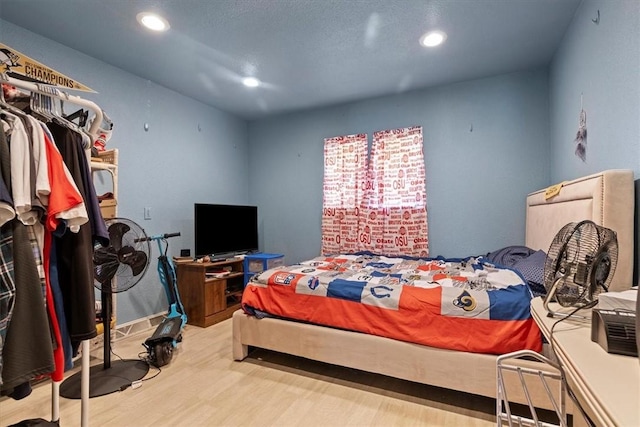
pixel 221 230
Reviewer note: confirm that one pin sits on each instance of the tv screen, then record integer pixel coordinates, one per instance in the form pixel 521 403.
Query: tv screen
pixel 225 229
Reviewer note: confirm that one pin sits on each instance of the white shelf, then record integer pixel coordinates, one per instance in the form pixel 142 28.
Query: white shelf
pixel 110 166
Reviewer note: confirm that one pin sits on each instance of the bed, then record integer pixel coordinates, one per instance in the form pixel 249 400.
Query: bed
pixel 607 198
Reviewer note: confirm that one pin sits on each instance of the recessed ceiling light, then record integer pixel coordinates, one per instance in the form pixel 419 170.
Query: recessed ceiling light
pixel 251 82
pixel 433 38
pixel 152 21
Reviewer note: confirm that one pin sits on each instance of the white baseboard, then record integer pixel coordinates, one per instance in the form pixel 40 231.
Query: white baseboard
pixel 124 330
pixel 137 326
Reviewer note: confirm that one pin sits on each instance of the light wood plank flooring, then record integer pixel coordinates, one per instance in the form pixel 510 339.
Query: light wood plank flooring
pixel 204 386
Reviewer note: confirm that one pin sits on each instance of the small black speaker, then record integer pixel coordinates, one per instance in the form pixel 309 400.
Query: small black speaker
pixel 615 331
pixel 185 252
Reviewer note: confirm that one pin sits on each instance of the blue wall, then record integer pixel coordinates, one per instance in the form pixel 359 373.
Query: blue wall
pixel 486 145
pixel 168 168
pixel 601 62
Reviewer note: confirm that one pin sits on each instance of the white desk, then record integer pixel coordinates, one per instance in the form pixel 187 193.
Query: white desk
pixel 606 385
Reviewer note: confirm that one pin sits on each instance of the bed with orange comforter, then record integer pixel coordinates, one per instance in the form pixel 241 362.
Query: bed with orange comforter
pixel 464 304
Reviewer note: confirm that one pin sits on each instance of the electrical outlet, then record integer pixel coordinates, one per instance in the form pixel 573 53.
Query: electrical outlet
pixel 147 213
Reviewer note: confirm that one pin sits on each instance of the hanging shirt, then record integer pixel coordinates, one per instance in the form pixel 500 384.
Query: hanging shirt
pixel 75 250
pixel 27 351
pixel 42 188
pixel 65 206
pixel 7 278
pixel 65 201
pixel 6 204
pixel 33 129
pixel 20 168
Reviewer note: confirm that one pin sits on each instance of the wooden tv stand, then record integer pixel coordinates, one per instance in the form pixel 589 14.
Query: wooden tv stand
pixel 208 299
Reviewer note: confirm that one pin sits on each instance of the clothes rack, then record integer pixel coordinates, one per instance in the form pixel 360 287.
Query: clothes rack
pixel 53 92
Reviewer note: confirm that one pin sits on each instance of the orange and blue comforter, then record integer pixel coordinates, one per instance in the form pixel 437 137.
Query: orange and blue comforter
pixel 459 304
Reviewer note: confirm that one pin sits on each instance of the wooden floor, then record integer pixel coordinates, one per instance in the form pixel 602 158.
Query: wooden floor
pixel 204 386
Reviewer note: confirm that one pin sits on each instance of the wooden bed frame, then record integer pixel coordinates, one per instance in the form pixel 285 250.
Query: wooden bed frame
pixel 607 198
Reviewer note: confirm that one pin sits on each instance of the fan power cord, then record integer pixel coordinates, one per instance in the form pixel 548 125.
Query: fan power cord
pixel 553 350
pixel 145 358
pixel 568 316
pixel 138 383
pixel 116 355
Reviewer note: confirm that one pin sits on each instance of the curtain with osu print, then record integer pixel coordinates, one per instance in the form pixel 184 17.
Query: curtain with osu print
pixel 379 205
pixel 345 171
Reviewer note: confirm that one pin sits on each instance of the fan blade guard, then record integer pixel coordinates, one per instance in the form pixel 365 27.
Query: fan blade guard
pixel 580 263
pixel 122 264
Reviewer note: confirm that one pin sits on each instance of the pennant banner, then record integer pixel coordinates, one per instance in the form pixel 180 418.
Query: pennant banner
pixel 19 66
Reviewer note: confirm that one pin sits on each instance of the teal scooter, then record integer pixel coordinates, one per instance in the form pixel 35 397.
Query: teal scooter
pixel 168 334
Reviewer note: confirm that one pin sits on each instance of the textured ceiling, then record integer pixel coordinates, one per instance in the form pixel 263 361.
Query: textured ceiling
pixel 308 53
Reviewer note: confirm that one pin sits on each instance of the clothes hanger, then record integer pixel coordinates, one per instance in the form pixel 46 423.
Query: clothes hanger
pixel 36 107
pixel 47 106
pixel 82 115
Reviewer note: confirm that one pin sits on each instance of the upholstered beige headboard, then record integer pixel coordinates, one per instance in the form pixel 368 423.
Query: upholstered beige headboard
pixel 606 198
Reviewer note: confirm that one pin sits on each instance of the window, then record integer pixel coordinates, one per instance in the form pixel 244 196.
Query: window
pixel 386 213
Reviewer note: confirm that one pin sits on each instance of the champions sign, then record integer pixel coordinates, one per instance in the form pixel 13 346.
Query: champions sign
pixel 15 64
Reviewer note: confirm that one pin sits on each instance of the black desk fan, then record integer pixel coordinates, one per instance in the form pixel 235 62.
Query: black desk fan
pixel 117 268
pixel 580 265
